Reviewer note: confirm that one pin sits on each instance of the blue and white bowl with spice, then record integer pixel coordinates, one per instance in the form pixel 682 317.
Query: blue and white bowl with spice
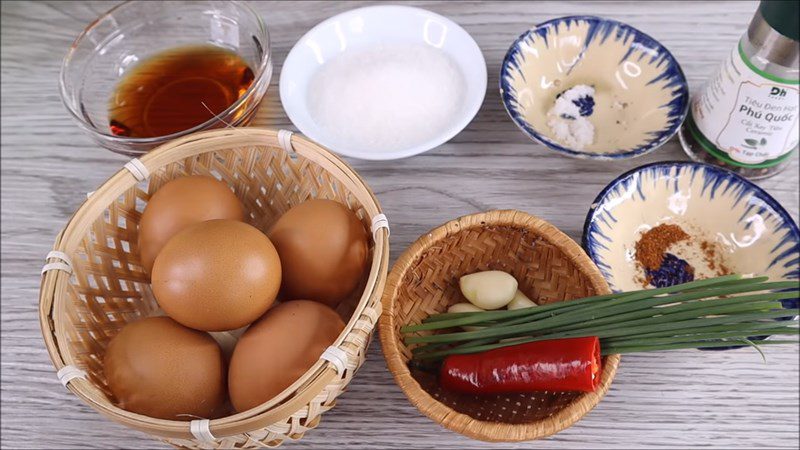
pixel 698 220
pixel 594 88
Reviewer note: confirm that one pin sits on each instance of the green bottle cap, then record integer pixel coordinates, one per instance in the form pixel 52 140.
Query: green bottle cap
pixel 783 16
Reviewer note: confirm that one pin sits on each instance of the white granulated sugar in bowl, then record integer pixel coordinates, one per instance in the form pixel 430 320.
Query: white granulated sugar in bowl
pixel 386 98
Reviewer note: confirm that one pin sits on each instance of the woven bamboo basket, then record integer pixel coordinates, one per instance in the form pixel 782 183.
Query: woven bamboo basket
pixel 549 266
pixel 93 283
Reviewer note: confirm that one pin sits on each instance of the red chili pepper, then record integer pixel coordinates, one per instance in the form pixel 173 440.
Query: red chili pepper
pixel 557 365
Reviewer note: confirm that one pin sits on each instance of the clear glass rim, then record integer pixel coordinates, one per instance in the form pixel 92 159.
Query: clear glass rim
pixel 259 74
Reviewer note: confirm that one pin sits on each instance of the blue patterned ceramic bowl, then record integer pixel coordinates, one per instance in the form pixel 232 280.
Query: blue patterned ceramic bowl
pixel 640 94
pixel 735 226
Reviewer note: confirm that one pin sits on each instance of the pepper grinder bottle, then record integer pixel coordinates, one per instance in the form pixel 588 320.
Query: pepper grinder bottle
pixel 746 117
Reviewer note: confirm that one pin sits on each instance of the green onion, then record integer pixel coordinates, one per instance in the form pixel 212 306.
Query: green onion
pixel 577 306
pixel 744 333
pixel 740 332
pixel 570 321
pixel 680 345
pixel 662 324
pixel 754 328
pixel 700 314
pixel 572 304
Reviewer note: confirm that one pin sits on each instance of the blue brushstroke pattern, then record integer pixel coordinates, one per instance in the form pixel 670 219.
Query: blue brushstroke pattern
pixel 585 105
pixel 673 270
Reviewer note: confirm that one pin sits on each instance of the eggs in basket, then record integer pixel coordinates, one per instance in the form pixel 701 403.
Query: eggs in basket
pixel 212 272
pixel 221 290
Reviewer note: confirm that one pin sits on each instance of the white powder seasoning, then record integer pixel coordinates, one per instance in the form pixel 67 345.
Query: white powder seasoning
pixel 568 121
pixel 386 98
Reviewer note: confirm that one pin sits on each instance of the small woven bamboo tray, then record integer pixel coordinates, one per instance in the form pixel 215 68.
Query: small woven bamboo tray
pixel 549 266
pixel 93 283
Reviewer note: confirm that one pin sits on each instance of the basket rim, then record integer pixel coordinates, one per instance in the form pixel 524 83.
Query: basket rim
pixel 314 380
pixel 443 414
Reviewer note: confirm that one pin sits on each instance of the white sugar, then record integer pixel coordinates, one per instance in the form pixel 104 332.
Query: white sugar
pixel 386 98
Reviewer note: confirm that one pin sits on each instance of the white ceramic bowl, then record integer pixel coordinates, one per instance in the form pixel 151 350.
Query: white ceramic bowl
pixel 361 29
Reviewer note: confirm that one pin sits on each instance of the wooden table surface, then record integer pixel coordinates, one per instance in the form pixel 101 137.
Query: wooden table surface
pixel 664 400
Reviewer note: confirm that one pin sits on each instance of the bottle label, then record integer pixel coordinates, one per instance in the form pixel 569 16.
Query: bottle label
pixel 748 115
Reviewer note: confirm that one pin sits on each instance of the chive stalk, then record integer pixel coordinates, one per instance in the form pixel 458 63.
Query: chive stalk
pixel 577 306
pixel 700 314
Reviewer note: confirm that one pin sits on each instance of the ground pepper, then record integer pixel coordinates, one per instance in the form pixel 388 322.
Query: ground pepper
pixel 710 255
pixel 654 243
pixel 663 269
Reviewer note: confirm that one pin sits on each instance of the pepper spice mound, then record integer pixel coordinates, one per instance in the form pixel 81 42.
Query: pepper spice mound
pixel 654 243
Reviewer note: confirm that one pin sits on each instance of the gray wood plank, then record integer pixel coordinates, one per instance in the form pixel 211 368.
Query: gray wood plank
pixel 666 400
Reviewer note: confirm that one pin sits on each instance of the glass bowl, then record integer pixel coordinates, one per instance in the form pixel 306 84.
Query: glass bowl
pixel 132 31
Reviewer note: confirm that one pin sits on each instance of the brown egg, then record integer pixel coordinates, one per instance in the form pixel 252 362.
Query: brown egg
pixel 278 349
pixel 217 275
pixel 161 369
pixel 323 249
pixel 180 203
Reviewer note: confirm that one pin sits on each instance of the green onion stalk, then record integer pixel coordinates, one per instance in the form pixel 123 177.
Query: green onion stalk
pixel 711 313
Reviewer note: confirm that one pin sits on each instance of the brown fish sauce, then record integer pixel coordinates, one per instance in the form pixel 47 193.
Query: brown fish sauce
pixel 176 90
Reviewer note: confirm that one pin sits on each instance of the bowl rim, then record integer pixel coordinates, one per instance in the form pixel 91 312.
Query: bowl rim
pixel 259 72
pixel 313 381
pixel 468 114
pixel 534 135
pixel 446 416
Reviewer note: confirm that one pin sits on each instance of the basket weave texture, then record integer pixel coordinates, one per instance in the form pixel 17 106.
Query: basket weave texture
pixel 549 266
pixel 270 172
